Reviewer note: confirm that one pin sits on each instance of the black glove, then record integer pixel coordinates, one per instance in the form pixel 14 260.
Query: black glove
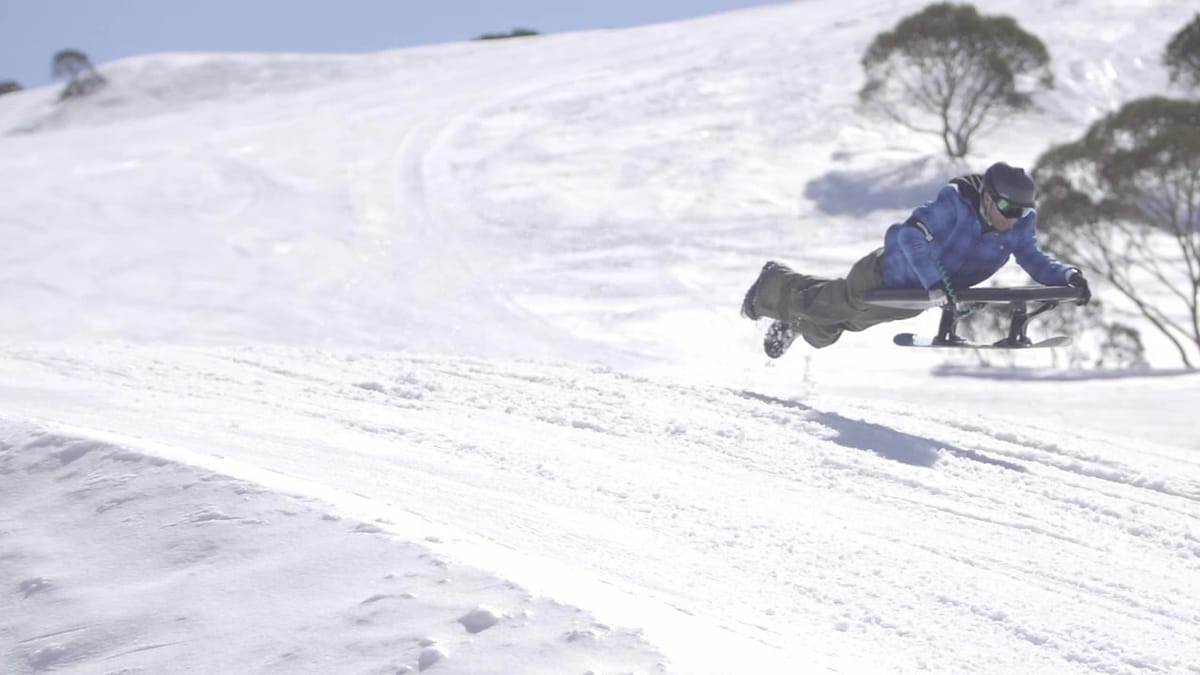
pixel 1076 280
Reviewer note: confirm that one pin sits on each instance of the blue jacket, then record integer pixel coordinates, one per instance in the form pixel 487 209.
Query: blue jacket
pixel 949 230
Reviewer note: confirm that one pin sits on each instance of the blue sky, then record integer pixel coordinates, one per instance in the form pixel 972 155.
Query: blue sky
pixel 31 31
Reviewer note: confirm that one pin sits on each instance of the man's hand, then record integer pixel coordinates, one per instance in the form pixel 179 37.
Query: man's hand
pixel 1076 280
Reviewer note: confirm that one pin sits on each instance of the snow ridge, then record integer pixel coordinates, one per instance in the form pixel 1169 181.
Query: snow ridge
pixel 86 520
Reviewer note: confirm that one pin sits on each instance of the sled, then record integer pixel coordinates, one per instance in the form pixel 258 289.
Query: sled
pixel 1017 300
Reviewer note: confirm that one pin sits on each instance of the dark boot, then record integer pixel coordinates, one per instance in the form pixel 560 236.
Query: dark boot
pixel 774 292
pixel 748 302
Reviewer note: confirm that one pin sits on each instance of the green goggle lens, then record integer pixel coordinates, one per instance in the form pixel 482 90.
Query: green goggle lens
pixel 1010 210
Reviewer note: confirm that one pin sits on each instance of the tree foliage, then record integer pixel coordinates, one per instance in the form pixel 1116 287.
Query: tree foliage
pixel 514 33
pixel 69 63
pixel 8 87
pixel 79 71
pixel 955 67
pixel 1182 56
pixel 1124 202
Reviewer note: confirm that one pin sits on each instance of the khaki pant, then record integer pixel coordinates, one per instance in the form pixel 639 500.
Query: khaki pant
pixel 822 308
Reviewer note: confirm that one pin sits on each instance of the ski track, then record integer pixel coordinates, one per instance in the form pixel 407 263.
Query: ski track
pixel 964 510
pixel 1087 468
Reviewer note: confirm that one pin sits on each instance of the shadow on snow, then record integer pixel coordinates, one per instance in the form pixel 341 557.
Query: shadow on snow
pixel 1053 375
pixel 884 441
pixel 900 187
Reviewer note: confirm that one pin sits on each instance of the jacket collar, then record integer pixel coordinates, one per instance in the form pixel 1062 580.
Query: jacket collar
pixel 970 187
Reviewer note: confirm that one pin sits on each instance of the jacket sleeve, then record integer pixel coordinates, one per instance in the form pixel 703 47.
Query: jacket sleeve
pixel 920 252
pixel 1030 256
pixel 922 235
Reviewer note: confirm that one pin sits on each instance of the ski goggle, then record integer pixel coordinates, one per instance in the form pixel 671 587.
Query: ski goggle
pixel 1010 209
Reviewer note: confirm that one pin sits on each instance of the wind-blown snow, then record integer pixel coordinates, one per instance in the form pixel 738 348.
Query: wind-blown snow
pixel 430 360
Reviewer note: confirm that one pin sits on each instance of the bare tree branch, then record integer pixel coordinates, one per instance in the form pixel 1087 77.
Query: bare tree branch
pixel 951 64
pixel 1124 199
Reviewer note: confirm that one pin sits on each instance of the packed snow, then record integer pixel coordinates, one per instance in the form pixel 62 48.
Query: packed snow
pixel 430 361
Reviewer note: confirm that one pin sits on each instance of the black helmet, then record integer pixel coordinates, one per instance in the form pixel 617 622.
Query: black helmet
pixel 1010 183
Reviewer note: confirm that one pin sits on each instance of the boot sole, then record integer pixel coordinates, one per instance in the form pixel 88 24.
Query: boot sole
pixel 779 337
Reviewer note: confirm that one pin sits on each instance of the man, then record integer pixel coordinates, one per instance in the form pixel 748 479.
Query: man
pixel 962 237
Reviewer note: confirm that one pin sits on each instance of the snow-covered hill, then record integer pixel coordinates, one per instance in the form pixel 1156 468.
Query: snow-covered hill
pixel 430 360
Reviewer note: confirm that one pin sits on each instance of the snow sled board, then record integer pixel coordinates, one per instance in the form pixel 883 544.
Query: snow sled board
pixel 913 340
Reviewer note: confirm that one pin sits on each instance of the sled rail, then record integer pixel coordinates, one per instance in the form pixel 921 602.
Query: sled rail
pixel 905 298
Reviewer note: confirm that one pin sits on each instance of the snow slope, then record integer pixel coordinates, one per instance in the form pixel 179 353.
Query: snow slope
pixel 430 360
